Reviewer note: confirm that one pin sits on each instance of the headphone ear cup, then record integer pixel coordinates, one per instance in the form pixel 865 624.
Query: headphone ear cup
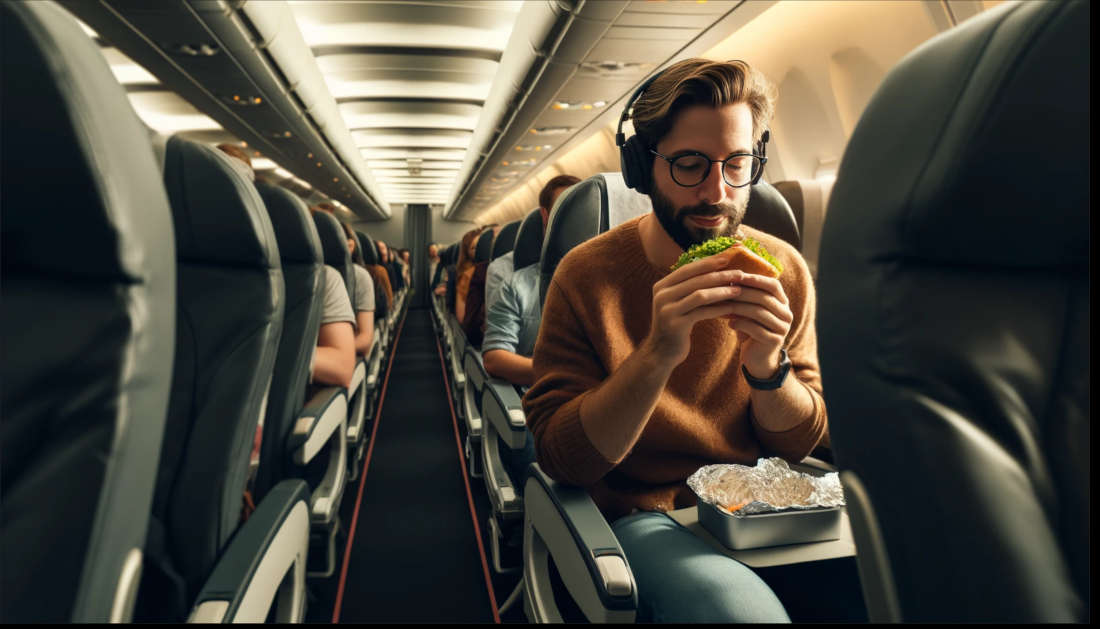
pixel 636 164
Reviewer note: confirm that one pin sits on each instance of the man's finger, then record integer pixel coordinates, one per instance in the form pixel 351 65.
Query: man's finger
pixel 766 318
pixel 762 282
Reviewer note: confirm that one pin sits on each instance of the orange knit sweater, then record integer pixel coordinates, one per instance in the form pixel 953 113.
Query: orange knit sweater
pixel 596 314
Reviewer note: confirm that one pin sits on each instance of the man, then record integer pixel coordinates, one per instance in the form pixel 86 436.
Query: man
pixel 436 273
pixel 364 297
pixel 639 377
pixel 513 305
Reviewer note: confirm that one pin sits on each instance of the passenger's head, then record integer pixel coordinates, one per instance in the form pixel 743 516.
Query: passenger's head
pixel 550 193
pixel 433 251
pixel 242 162
pixel 325 206
pixel 468 249
pixel 383 251
pixel 405 255
pixel 706 110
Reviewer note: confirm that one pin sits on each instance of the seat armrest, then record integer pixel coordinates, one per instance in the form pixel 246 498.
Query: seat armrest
pixel 252 571
pixel 474 366
pixel 322 416
pixel 502 406
pixel 562 522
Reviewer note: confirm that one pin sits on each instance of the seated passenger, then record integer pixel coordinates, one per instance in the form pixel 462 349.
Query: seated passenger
pixel 464 271
pixel 639 380
pixel 242 158
pixel 364 297
pixel 406 267
pixel 473 319
pixel 436 273
pixel 334 359
pixel 513 305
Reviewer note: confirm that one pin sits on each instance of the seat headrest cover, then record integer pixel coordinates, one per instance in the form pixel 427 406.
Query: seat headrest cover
pixel 769 212
pixel 982 155
pixel 333 241
pixel 219 216
pixel 294 228
pixel 622 203
pixel 529 240
pixel 484 246
pixel 506 239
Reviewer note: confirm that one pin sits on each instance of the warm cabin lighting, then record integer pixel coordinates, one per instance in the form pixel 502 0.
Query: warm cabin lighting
pixel 256 100
pixel 236 97
pixel 309 156
pixel 335 179
pixel 318 164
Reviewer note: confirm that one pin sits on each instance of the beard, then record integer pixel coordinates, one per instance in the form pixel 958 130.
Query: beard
pixel 674 220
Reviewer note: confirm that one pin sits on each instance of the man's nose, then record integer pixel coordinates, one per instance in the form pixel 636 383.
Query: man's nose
pixel 714 190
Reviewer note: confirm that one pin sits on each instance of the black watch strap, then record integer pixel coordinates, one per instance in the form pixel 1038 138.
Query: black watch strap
pixel 775 381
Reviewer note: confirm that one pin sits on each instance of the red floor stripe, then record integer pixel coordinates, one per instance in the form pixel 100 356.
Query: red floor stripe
pixel 469 495
pixel 363 475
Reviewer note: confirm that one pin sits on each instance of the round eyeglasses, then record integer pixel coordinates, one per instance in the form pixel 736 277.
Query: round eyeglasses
pixel 692 169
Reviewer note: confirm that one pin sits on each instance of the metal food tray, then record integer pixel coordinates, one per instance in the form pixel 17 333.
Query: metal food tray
pixel 797 526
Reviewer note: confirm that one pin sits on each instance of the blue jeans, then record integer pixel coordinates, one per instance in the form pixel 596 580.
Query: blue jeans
pixel 680 578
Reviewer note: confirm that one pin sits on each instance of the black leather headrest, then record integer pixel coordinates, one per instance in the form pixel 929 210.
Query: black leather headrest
pixel 583 211
pixel 451 254
pixel 219 216
pixel 971 139
pixel 484 246
pixel 529 240
pixel 333 241
pixel 506 239
pixel 769 212
pixel 370 252
pixel 294 228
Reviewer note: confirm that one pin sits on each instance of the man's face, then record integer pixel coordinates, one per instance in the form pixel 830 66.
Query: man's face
pixel 433 253
pixel 712 208
pixel 383 252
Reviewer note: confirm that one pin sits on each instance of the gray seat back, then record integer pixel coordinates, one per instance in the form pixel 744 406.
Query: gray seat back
pixel 528 247
pixel 303 278
pixel 953 319
pixel 366 246
pixel 88 325
pixel 484 249
pixel 334 246
pixel 769 212
pixel 229 321
pixel 505 240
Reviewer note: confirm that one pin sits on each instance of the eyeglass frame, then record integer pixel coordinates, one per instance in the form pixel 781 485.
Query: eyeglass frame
pixel 710 163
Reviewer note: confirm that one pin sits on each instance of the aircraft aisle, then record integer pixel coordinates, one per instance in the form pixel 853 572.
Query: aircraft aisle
pixel 414 555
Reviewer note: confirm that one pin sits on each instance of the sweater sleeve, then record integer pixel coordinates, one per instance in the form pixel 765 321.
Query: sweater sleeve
pixel 567 370
pixel 796 443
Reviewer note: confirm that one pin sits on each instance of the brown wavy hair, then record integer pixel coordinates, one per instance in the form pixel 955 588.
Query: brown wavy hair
pixel 703 82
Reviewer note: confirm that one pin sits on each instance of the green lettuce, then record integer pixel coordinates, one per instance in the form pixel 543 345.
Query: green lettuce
pixel 720 244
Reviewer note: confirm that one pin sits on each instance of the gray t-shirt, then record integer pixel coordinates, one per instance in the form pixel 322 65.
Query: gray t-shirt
pixel 337 306
pixel 364 290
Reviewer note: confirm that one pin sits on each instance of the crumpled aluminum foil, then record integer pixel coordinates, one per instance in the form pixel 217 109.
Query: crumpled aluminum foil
pixel 769 486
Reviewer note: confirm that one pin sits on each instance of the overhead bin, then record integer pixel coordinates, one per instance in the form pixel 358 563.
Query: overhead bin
pixel 249 69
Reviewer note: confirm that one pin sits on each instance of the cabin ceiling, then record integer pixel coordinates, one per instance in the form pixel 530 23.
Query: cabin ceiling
pixel 410 80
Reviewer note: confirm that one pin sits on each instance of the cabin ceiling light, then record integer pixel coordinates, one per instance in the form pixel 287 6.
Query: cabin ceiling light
pixel 552 130
pixel 191 50
pixel 524 148
pixel 610 67
pixel 578 104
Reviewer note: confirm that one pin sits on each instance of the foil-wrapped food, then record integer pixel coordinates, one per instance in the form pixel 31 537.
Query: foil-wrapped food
pixel 769 486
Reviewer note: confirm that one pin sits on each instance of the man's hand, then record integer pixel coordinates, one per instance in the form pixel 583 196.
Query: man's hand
pixel 762 319
pixel 690 294
pixel 440 290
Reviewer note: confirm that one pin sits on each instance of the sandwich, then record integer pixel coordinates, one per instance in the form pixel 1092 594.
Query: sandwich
pixel 745 254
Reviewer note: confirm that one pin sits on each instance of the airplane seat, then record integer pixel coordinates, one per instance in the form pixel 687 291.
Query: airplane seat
pixel 504 432
pixel 230 300
pixel 808 199
pixel 88 311
pixel 296 429
pixel 769 212
pixel 506 240
pixel 956 252
pixel 484 251
pixel 562 523
pixel 330 489
pixel 469 360
pixel 378 349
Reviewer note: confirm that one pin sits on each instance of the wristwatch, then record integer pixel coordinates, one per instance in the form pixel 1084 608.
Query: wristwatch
pixel 775 381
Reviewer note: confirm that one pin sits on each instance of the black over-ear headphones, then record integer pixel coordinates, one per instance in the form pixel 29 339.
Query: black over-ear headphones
pixel 635 160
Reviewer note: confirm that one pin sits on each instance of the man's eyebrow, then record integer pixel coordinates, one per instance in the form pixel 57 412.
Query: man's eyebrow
pixel 686 151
